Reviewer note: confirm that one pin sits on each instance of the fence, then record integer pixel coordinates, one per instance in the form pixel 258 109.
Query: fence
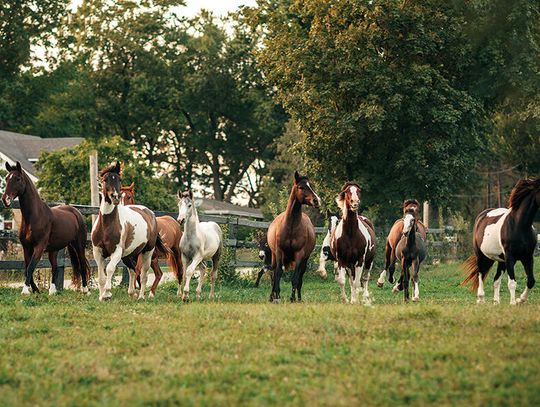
pixel 438 241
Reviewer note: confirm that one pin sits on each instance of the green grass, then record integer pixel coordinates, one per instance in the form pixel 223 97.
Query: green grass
pixel 240 350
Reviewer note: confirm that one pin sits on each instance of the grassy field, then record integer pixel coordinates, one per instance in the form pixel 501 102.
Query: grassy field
pixel 240 350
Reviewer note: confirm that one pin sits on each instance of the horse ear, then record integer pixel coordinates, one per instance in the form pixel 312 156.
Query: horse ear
pixel 179 194
pixel 328 214
pixel 190 194
pixel 19 168
pixel 132 186
pixel 118 167
pixel 296 177
pixel 9 167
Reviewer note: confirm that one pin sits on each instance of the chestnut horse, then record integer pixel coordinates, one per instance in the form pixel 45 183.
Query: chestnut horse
pixel 46 229
pixel 505 236
pixel 291 237
pixel 411 252
pixel 353 244
pixel 409 206
pixel 122 233
pixel 170 232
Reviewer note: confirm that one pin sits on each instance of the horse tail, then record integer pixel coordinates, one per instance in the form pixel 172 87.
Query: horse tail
pixel 162 247
pixel 471 266
pixel 175 263
pixel 79 262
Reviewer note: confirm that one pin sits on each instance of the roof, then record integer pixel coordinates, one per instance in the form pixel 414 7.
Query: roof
pixel 23 148
pixel 213 207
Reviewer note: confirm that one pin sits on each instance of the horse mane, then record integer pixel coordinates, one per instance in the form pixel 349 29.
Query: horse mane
pixel 522 189
pixel 350 184
pixel 110 168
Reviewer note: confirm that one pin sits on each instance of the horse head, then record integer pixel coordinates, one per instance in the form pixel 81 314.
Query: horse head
pixel 411 206
pixel 304 192
pixel 262 243
pixel 15 183
pixel 525 188
pixel 409 223
pixel 127 194
pixel 185 205
pixel 349 198
pixel 110 179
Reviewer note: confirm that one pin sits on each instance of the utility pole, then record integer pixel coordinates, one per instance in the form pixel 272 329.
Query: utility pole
pixel 425 213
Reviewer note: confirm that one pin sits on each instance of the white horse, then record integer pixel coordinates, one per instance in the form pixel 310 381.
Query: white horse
pixel 201 241
pixel 122 233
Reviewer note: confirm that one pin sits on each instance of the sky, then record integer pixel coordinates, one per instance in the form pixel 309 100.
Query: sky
pixel 219 7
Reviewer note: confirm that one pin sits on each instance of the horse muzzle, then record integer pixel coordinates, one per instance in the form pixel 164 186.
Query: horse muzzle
pixel 7 200
pixel 261 254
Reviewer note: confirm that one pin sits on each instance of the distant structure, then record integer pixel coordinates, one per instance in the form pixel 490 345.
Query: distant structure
pixel 26 149
pixel 220 208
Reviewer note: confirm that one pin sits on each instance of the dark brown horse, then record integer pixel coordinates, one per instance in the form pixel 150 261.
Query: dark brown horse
pixel 505 236
pixel 170 232
pixel 409 206
pixel 265 254
pixel 353 244
pixel 411 252
pixel 46 229
pixel 291 237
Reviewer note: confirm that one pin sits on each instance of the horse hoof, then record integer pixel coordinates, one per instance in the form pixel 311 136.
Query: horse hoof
pixel 276 300
pixel 185 297
pixel 496 302
pixel 25 290
pixel 395 290
pixel 520 301
pixel 380 284
pixel 85 290
pixel 150 295
pixel 141 297
pixel 480 300
pixel 513 303
pixel 52 289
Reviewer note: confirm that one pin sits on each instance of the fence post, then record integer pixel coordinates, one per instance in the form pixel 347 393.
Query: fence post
pixel 59 278
pixel 94 189
pixel 232 225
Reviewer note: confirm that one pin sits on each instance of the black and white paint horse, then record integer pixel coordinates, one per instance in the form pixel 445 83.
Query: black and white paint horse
pixel 326 253
pixel 265 254
pixel 505 235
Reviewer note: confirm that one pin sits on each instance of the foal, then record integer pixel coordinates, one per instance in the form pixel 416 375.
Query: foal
pixel 410 251
pixel 326 252
pixel 201 241
pixel 353 244
pixel 122 233
pixel 170 233
pixel 265 254
pixel 46 229
pixel 291 237
pixel 394 236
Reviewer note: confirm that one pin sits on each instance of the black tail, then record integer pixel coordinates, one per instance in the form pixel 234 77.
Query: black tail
pixel 162 247
pixel 79 262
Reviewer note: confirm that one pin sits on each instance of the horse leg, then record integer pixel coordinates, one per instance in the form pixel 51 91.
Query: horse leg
pixel 54 268
pixel 202 276
pixel 213 276
pixel 497 283
pixel 340 278
pixel 115 258
pixel 387 257
pixel 355 286
pixel 294 282
pixel 406 278
pixel 146 260
pixel 100 262
pixel 364 281
pixel 399 284
pixel 183 279
pixel 484 264
pixel 528 266
pixel 259 276
pixel 133 270
pixel 303 267
pixel 512 285
pixel 189 273
pixel 274 296
pixel 416 287
pixel 322 264
pixel 154 263
pixel 29 282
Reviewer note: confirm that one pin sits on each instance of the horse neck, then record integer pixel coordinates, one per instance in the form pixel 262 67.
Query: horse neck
pixel 350 222
pixel 411 237
pixel 293 213
pixel 525 213
pixel 30 202
pixel 192 221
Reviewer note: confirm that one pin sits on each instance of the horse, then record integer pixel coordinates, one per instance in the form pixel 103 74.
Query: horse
pixel 505 236
pixel 265 254
pixel 170 233
pixel 122 233
pixel 326 254
pixel 291 237
pixel 201 241
pixel 353 244
pixel 394 236
pixel 410 251
pixel 45 229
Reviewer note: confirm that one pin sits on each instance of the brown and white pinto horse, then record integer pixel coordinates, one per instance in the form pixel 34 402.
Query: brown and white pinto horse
pixel 394 236
pixel 46 229
pixel 122 233
pixel 170 232
pixel 291 237
pixel 505 235
pixel 353 244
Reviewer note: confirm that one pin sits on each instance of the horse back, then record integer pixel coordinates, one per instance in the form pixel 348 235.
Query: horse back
pixel 67 224
pixel 394 236
pixel 487 239
pixel 169 230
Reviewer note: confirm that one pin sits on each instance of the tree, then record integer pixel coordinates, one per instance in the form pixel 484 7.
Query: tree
pixel 377 89
pixel 64 174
